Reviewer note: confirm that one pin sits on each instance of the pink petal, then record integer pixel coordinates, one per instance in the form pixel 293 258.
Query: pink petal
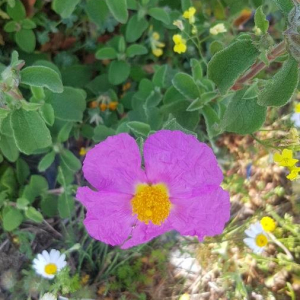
pixel 202 216
pixel 114 164
pixel 109 215
pixel 143 233
pixel 182 162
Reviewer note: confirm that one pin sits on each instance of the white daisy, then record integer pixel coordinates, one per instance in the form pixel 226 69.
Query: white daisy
pixel 48 264
pixel 48 296
pixel 257 238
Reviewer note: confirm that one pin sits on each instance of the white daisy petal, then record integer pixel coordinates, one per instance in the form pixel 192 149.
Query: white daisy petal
pixel 46 256
pixel 54 255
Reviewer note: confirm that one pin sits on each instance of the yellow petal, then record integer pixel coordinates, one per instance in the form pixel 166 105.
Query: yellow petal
pixel 287 153
pixel 177 38
pixel 277 157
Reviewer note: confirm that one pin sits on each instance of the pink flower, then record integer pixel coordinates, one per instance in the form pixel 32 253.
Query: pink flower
pixel 178 189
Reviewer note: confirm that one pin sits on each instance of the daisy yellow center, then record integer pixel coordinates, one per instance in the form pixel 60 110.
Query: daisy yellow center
pixel 261 240
pixel 151 203
pixel 51 269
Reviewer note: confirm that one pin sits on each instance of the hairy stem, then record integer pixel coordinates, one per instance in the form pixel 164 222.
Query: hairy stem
pixel 259 66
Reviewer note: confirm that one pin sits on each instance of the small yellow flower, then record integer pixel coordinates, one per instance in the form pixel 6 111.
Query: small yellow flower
pixel 157 52
pixel 268 224
pixel 185 296
pixel 285 159
pixel 155 36
pixel 294 173
pixel 180 44
pixel 156 45
pixel 82 151
pixel 113 105
pixel 297 108
pixel 219 28
pixel 190 14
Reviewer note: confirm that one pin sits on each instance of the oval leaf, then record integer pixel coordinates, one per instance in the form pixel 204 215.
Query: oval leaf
pixel 118 8
pixel 42 77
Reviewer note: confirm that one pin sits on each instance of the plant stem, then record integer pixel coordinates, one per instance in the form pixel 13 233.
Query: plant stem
pixel 259 66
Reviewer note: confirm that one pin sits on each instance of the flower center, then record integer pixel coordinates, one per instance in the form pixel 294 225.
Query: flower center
pixel 151 203
pixel 261 240
pixel 51 269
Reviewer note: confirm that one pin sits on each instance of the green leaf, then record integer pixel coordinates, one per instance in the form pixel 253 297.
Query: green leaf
pixel 101 132
pixel 11 26
pixel 12 219
pixel 186 4
pixel 36 187
pixel 279 89
pixel 243 116
pixel 4 112
pixel 211 120
pixel 227 65
pixel 47 113
pixel 64 7
pixel 186 85
pixel 27 24
pixel 34 215
pixel 172 124
pixel 22 170
pixel 106 53
pixel 159 14
pixel 30 131
pixel 71 161
pixel 29 106
pixel 65 131
pixel 97 11
pixel 46 161
pixel 118 72
pixel 42 77
pixel 8 181
pixel 139 128
pixel 285 5
pixel 26 40
pixel 5 126
pixel 17 12
pixel 135 50
pixel 261 21
pixel 135 28
pixel 65 205
pixel 8 148
pixel 196 69
pixel 49 205
pixel 160 76
pixel 22 203
pixel 118 8
pixel 68 105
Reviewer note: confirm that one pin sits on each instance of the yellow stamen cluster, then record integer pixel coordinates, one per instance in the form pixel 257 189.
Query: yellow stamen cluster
pixel 156 45
pixel 82 151
pixel 261 240
pixel 151 203
pixel 51 269
pixel 286 160
pixel 180 44
pixel 297 108
pixel 268 224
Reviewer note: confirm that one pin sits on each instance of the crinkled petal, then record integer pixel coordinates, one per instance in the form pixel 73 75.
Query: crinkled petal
pixel 143 233
pixel 114 165
pixel 202 216
pixel 186 165
pixel 109 215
